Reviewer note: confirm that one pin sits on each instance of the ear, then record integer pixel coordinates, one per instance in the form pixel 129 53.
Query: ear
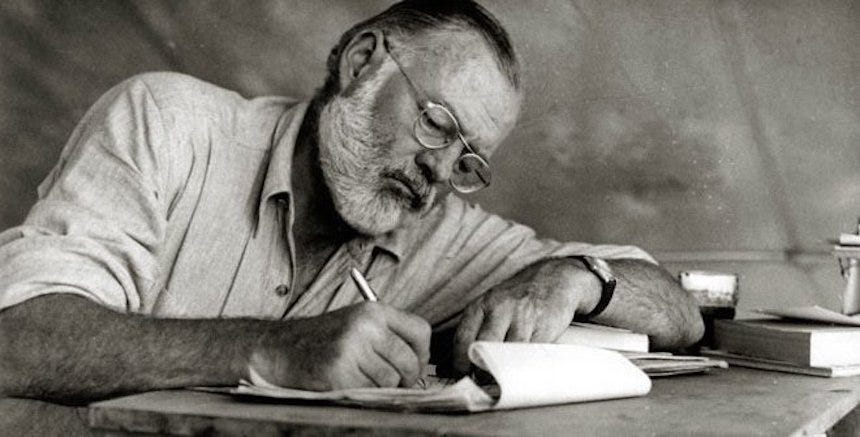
pixel 364 51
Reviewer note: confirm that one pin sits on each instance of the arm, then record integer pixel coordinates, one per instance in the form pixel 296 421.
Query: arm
pixel 649 300
pixel 540 301
pixel 92 242
pixel 66 348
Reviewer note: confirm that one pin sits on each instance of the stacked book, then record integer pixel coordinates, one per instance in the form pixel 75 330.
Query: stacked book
pixel 810 340
pixel 786 345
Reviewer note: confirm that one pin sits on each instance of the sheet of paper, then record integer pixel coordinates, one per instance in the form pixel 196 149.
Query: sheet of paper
pixel 814 313
pixel 463 395
pixel 543 374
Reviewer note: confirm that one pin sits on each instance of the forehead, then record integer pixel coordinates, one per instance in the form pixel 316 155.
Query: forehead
pixel 457 69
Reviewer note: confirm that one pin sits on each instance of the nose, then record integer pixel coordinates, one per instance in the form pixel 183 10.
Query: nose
pixel 438 164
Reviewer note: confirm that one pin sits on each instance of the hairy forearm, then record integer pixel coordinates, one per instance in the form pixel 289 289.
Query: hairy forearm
pixel 66 348
pixel 648 300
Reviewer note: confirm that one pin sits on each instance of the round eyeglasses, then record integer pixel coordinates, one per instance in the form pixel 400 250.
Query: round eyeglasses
pixel 436 128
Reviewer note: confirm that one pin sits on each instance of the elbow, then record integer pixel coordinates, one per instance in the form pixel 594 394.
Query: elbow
pixel 693 330
pixel 678 332
pixel 11 369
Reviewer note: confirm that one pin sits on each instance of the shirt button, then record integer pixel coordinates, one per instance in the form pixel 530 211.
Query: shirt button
pixel 282 290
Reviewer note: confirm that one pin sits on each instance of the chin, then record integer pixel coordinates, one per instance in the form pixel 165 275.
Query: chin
pixel 371 213
pixel 376 213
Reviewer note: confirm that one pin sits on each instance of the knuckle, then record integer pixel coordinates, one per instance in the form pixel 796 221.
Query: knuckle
pixel 474 307
pixel 386 377
pixel 424 329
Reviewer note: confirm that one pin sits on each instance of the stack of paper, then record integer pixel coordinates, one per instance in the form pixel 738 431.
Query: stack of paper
pixel 661 364
pixel 526 375
pixel 606 337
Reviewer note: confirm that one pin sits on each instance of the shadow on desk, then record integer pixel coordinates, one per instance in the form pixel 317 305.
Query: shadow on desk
pixel 849 426
pixel 26 417
pixel 788 397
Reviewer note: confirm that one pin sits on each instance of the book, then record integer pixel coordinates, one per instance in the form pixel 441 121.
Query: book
pixel 607 337
pixel 783 366
pixel 523 374
pixel 805 344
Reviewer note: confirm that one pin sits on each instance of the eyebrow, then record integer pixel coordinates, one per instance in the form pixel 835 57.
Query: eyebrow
pixel 423 94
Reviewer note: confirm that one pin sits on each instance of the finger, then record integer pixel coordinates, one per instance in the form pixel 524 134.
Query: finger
pixel 401 357
pixel 496 324
pixel 521 330
pixel 467 331
pixel 378 371
pixel 414 330
pixel 547 332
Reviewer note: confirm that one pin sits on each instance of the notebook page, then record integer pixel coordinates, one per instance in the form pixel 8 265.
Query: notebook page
pixel 543 374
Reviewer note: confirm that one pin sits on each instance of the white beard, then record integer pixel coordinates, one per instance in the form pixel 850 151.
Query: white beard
pixel 353 158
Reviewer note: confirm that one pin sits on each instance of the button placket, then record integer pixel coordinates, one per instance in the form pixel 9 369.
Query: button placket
pixel 283 289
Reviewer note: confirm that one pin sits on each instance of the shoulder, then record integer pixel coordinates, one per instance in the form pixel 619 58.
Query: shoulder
pixel 454 220
pixel 187 105
pixel 180 93
pixel 457 212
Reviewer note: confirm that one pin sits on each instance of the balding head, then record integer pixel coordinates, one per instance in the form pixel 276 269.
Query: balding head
pixel 411 20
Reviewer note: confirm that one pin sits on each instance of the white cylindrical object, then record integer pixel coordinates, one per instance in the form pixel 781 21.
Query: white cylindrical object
pixel 851 295
pixel 711 288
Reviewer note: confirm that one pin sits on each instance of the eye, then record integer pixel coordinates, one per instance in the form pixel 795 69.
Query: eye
pixel 436 119
pixel 430 123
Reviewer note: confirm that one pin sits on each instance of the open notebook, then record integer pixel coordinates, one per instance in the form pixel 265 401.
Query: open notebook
pixel 526 375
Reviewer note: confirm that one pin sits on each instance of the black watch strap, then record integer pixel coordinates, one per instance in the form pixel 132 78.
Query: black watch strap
pixel 603 272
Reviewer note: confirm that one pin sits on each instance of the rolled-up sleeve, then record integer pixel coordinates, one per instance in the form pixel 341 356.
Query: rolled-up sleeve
pixel 468 250
pixel 100 216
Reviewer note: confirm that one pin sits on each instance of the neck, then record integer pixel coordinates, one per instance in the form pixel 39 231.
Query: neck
pixel 316 219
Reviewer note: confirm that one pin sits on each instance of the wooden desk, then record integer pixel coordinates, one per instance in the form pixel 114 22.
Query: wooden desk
pixel 726 402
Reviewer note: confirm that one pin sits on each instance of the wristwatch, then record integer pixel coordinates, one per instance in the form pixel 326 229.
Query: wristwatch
pixel 601 269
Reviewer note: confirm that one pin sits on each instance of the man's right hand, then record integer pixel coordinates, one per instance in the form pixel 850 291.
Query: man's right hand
pixel 363 345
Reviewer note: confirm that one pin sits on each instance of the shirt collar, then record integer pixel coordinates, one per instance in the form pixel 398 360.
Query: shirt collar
pixel 398 242
pixel 394 243
pixel 279 171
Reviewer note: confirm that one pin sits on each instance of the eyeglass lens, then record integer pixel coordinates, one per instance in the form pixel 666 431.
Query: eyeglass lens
pixel 435 129
pixel 470 174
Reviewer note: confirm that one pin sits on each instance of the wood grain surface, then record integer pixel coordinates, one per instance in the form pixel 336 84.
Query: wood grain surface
pixel 727 402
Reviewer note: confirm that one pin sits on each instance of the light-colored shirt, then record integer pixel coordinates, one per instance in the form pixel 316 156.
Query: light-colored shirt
pixel 172 198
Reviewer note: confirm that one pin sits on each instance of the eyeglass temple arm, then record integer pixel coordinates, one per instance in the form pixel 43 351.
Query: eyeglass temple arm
pixel 415 89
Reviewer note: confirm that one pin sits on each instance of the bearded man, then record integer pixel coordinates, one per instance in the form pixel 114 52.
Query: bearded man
pixel 189 235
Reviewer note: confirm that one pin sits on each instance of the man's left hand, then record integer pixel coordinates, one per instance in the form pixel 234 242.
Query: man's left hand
pixel 535 305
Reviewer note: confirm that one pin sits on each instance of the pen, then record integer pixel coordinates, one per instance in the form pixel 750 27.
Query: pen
pixel 363 286
pixel 370 296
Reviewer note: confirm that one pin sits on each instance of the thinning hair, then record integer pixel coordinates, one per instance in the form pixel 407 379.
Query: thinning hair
pixel 413 17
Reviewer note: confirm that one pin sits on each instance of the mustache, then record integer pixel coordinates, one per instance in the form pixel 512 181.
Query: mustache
pixel 420 187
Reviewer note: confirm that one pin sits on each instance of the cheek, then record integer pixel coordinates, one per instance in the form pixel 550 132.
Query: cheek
pixel 394 112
